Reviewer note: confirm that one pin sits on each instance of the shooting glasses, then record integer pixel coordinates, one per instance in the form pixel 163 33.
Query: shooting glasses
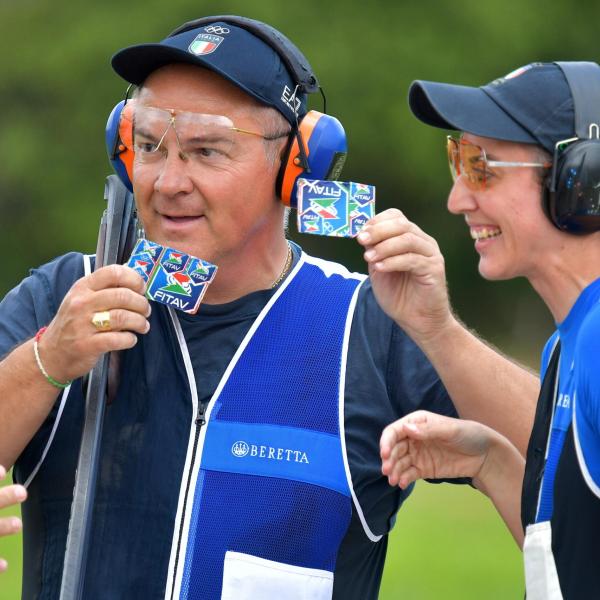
pixel 471 161
pixel 205 139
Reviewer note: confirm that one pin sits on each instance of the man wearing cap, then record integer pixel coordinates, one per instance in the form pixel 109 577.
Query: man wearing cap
pixel 240 454
pixel 527 181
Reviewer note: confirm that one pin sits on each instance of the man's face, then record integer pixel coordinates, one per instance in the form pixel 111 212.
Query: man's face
pixel 217 200
pixel 511 232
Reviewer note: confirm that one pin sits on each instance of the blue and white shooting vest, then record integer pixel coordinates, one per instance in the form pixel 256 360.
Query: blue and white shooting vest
pixel 266 494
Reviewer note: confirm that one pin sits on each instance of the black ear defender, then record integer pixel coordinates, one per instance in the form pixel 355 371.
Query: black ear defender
pixel 572 191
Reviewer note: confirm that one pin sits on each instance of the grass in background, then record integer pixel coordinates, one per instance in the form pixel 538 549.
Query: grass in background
pixel 448 543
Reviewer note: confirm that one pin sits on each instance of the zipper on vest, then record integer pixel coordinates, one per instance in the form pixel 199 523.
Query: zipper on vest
pixel 199 421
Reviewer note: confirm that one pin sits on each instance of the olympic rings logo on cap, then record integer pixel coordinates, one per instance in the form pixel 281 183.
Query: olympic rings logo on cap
pixel 216 29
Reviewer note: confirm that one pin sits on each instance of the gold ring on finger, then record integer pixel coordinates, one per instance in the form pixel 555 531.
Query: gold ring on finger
pixel 101 320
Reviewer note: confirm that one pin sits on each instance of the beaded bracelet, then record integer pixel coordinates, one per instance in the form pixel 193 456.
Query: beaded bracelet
pixel 38 360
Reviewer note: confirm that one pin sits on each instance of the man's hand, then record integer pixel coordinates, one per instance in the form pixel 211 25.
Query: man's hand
pixel 69 348
pixel 9 495
pixel 427 445
pixel 407 272
pixel 71 344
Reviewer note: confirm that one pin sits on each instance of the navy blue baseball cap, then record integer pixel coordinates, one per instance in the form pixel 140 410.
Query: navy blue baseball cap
pixel 229 46
pixel 531 105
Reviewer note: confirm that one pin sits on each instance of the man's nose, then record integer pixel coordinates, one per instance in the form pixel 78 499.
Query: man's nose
pixel 174 177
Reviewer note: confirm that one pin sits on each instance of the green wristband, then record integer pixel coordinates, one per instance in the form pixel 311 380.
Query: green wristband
pixel 38 360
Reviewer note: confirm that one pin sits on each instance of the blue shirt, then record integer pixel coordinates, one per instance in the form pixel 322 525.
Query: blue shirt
pixel 578 384
pixel 145 438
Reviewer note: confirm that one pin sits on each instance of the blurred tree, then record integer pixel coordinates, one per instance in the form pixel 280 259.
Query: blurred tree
pixel 57 89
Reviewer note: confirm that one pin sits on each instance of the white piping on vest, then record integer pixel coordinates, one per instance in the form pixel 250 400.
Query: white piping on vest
pixel 198 458
pixel 372 536
pixel 595 489
pixel 87 269
pixel 189 454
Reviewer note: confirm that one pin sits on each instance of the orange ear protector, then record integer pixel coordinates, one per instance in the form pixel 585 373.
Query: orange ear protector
pixel 119 141
pixel 317 146
pixel 316 150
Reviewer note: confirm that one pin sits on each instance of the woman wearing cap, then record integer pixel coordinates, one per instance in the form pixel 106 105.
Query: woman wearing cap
pixel 527 180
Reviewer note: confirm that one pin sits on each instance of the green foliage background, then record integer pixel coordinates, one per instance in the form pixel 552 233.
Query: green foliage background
pixel 57 89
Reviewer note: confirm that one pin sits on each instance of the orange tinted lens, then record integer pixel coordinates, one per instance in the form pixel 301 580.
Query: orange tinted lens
pixel 453 158
pixel 473 164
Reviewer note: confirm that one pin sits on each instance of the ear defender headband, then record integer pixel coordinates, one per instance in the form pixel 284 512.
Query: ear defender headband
pixel 572 194
pixel 317 146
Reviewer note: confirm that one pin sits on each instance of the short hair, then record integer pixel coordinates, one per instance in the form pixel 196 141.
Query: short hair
pixel 543 156
pixel 275 124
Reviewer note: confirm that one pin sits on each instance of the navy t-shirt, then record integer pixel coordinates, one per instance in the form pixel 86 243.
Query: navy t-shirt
pixel 387 377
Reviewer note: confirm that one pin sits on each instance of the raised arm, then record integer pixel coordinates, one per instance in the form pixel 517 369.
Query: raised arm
pixel 408 277
pixel 68 349
pixel 428 445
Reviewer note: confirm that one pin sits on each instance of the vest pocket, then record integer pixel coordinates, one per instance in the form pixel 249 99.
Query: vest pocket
pixel 541 578
pixel 247 577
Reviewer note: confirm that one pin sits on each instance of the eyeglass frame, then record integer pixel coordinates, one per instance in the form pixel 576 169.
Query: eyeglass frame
pixel 487 162
pixel 173 112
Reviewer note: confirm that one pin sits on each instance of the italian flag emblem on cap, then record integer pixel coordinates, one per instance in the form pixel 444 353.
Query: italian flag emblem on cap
pixel 205 43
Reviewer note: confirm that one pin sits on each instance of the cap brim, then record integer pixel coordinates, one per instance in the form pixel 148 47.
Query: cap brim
pixel 464 108
pixel 135 63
